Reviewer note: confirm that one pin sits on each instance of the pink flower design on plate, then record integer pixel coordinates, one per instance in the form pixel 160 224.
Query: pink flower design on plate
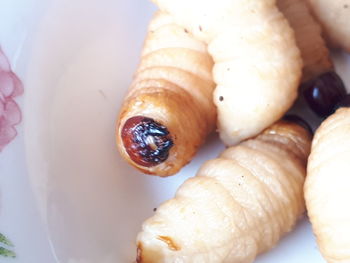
pixel 10 113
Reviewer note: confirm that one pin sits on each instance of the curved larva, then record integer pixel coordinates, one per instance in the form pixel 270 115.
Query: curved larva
pixel 334 18
pixel 236 207
pixel 308 35
pixel 172 90
pixel 257 62
pixel 327 187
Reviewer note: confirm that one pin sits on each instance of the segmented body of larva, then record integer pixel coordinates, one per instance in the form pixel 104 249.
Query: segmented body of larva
pixel 327 187
pixel 237 206
pixel 308 36
pixel 257 62
pixel 169 110
pixel 334 16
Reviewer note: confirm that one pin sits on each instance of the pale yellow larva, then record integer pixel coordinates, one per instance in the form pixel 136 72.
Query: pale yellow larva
pixel 327 187
pixel 258 65
pixel 237 206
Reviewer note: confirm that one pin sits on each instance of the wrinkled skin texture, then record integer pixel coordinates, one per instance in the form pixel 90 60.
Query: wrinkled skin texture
pixel 237 206
pixel 258 65
pixel 327 187
pixel 173 86
pixel 308 34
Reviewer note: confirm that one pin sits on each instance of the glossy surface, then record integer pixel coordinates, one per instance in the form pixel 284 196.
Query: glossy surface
pixel 146 141
pixel 324 92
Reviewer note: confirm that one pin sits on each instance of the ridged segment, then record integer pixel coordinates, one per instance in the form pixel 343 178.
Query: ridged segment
pixel 308 35
pixel 173 86
pixel 327 187
pixel 334 18
pixel 237 206
pixel 257 67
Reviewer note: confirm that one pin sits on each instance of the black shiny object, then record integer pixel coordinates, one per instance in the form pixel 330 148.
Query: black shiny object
pixel 323 93
pixel 344 102
pixel 159 134
pixel 298 120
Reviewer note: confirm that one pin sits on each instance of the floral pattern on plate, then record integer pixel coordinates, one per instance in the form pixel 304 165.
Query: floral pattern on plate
pixel 10 113
pixel 10 116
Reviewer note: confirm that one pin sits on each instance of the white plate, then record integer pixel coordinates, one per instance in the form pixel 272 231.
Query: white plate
pixel 76 59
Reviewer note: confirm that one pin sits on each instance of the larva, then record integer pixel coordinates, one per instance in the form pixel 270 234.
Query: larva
pixel 327 187
pixel 257 66
pixel 308 35
pixel 168 111
pixel 334 16
pixel 237 206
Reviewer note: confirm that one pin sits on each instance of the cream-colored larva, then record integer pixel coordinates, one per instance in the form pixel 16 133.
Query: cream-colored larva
pixel 327 187
pixel 308 35
pixel 334 15
pixel 257 62
pixel 237 206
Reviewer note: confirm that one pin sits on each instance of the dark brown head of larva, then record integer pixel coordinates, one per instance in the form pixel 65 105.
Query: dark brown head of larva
pixel 146 141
